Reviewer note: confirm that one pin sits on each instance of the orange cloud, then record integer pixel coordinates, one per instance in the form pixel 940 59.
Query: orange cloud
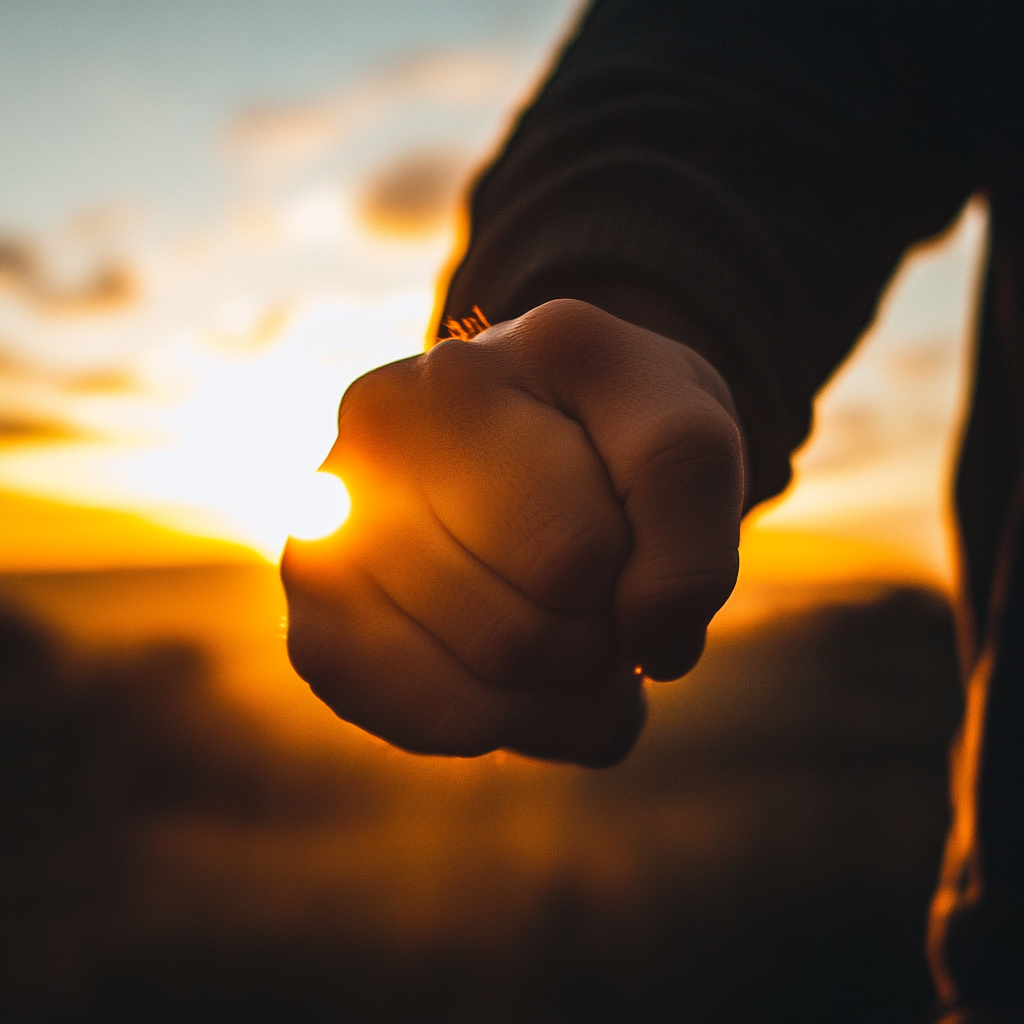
pixel 99 380
pixel 16 429
pixel 275 140
pixel 110 286
pixel 415 195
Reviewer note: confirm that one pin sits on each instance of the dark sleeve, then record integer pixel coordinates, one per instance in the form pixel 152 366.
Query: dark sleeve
pixel 760 165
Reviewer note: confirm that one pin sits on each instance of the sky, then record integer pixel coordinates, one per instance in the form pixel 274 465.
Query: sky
pixel 215 215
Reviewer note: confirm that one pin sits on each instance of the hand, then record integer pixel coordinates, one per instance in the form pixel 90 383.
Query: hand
pixel 535 515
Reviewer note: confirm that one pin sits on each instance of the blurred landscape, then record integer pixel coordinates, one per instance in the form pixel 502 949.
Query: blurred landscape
pixel 188 835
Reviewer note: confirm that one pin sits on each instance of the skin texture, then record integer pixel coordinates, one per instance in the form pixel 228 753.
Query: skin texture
pixel 534 514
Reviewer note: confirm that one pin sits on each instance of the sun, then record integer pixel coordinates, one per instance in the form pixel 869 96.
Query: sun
pixel 320 506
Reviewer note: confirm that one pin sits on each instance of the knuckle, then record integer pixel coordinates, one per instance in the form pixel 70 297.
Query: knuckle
pixel 697 472
pixel 318 639
pixel 720 452
pixel 663 615
pixel 671 657
pixel 373 405
pixel 563 314
pixel 565 333
pixel 450 362
pixel 567 553
pixel 707 439
pixel 716 433
pixel 359 416
pixel 455 369
pixel 446 356
pixel 358 396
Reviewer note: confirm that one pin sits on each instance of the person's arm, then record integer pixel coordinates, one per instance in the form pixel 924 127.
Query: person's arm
pixel 741 176
pixel 542 515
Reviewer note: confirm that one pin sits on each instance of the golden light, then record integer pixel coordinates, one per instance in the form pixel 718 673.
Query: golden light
pixel 320 506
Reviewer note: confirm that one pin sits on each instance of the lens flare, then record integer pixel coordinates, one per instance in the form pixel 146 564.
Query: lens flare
pixel 320 506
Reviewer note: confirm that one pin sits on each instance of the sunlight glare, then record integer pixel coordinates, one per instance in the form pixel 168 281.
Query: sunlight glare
pixel 320 506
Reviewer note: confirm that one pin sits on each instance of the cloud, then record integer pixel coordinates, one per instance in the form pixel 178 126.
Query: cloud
pixel 270 142
pixel 414 195
pixel 110 380
pixel 38 401
pixel 105 222
pixel 247 327
pixel 18 430
pixel 95 380
pixel 110 286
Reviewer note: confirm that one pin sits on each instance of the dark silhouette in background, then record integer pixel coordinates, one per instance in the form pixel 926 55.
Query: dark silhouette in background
pixel 786 807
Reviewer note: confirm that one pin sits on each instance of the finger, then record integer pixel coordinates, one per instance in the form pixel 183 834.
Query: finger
pixel 376 668
pixel 514 480
pixel 494 629
pixel 685 558
pixel 596 730
pixel 673 454
pixel 521 486
pixel 529 497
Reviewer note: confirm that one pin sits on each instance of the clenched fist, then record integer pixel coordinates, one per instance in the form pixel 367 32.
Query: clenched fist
pixel 538 516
